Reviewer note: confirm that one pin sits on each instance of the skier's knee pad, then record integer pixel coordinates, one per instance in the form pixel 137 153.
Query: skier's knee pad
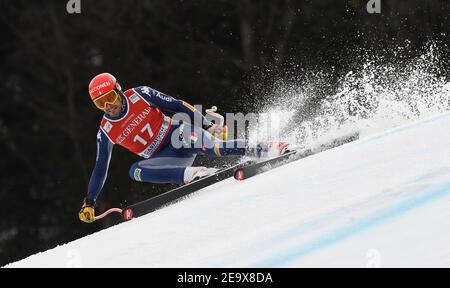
pixel 135 172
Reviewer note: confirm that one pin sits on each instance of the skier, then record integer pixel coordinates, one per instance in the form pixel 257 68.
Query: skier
pixel 135 120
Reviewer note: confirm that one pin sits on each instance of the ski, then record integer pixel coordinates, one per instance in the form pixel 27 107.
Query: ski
pixel 245 172
pixel 154 203
pixel 240 171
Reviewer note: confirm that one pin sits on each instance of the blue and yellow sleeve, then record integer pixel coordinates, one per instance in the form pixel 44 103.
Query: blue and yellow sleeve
pixel 99 174
pixel 168 103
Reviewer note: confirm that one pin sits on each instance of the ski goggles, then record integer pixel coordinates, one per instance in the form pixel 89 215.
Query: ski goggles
pixel 108 98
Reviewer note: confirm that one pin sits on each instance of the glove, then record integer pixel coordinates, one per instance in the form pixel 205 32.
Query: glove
pixel 87 212
pixel 217 129
pixel 221 133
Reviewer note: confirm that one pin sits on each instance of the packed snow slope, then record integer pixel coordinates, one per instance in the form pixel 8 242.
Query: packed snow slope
pixel 382 201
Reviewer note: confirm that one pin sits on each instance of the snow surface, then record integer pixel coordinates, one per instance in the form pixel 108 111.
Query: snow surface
pixel 382 201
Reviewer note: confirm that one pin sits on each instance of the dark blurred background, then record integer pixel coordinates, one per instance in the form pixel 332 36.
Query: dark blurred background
pixel 223 53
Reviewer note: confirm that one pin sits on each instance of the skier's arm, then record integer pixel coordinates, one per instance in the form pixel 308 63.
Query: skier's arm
pixel 168 103
pixel 98 176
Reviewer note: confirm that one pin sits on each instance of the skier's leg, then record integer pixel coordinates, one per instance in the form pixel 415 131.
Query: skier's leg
pixel 166 166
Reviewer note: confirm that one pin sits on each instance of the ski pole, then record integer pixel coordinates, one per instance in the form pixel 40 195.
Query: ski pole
pixel 107 212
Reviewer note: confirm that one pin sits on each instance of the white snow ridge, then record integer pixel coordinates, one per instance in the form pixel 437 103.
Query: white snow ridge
pixel 381 201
